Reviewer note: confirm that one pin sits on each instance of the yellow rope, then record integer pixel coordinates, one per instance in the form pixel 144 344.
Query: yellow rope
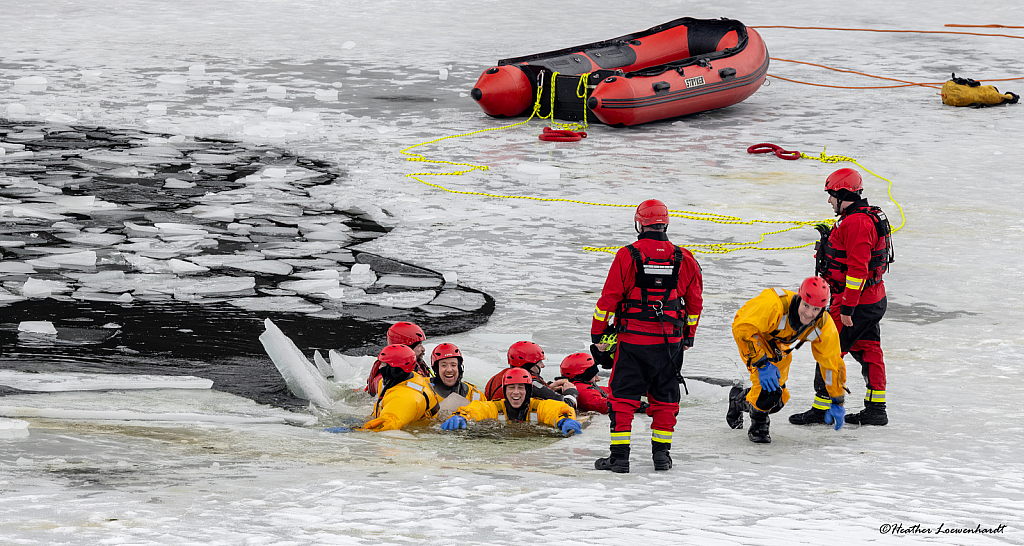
pixel 705 248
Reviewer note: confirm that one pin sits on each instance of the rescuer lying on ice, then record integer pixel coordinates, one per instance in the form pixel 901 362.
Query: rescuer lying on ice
pixel 446 361
pixel 581 370
pixel 404 396
pixel 765 329
pixel 518 405
pixel 529 356
pixel 401 333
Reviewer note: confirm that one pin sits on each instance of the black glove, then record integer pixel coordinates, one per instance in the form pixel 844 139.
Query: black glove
pixel 602 358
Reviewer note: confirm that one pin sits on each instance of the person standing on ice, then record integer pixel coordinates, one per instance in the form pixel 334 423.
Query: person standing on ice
pixel 401 333
pixel 405 396
pixel 518 404
pixel 530 357
pixel 446 361
pixel 654 293
pixel 852 257
pixel 766 329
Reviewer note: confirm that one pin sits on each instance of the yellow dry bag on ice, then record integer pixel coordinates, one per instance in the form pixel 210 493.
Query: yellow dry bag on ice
pixel 967 92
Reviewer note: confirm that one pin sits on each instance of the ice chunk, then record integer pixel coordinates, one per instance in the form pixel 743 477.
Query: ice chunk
pixel 335 293
pixel 215 286
pixel 101 277
pixel 38 288
pixel 348 45
pixel 16 267
pixel 86 258
pixel 310 286
pixel 61 382
pixel 197 69
pixel 37 327
pixel 172 228
pixel 220 214
pixel 451 277
pixel 275 172
pixel 181 267
pixel 360 269
pixel 276 91
pixel 322 274
pixel 124 415
pixel 302 377
pixel 543 171
pixel 326 94
pixel 460 299
pixel 16 109
pixel 350 371
pixel 443 74
pixel 412 282
pixel 31 84
pixel 89 295
pixel 13 428
pixel 322 365
pixel 276 304
pixel 175 184
pixel 94 239
pixel 401 300
pixel 270 267
pixel 278 110
pixel 172 79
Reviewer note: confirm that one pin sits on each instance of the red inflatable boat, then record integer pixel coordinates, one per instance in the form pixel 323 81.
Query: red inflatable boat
pixel 676 68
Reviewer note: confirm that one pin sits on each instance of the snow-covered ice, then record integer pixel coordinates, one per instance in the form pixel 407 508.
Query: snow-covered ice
pixel 201 466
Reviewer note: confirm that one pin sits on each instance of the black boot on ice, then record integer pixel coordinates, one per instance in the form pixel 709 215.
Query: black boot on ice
pixel 758 431
pixel 617 462
pixel 659 452
pixel 737 406
pixel 813 416
pixel 872 414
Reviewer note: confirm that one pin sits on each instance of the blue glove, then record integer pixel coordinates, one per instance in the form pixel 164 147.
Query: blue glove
pixel 455 422
pixel 570 427
pixel 769 376
pixel 338 430
pixel 835 413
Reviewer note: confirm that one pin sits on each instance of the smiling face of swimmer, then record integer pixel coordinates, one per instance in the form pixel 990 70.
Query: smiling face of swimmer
pixel 515 394
pixel 808 313
pixel 448 371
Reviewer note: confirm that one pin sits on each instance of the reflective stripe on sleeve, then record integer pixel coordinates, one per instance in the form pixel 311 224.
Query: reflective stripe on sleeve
pixel 853 283
pixel 691 320
pixel 600 315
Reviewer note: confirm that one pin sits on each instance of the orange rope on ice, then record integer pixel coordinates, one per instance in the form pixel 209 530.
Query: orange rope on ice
pixel 895 30
pixel 983 26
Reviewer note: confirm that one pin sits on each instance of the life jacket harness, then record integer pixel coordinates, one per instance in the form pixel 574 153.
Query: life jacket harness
pixel 831 259
pixel 656 278
pixel 773 339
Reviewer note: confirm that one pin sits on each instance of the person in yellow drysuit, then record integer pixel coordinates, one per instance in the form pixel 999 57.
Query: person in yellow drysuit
pixel 404 397
pixel 766 329
pixel 518 405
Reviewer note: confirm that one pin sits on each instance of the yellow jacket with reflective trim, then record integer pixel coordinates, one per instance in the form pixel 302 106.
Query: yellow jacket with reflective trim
pixel 547 412
pixel 407 402
pixel 756 321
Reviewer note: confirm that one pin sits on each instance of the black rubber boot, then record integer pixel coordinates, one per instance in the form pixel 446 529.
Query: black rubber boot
pixel 737 406
pixel 659 452
pixel 813 416
pixel 758 431
pixel 872 414
pixel 617 462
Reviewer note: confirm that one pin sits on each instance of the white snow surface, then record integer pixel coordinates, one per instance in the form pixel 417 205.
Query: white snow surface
pixel 88 473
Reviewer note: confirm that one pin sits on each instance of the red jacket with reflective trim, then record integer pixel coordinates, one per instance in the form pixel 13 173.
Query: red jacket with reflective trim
pixel 592 397
pixel 855 234
pixel 621 285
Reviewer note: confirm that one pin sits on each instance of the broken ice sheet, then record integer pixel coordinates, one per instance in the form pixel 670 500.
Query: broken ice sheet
pixel 460 299
pixel 401 300
pixel 281 304
pixel 406 281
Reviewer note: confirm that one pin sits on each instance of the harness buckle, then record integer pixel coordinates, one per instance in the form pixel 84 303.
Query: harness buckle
pixel 659 307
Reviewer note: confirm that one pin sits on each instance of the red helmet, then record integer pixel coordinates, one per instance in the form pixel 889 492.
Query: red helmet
pixel 513 376
pixel 844 179
pixel 398 356
pixel 524 353
pixel 651 212
pixel 405 333
pixel 814 291
pixel 576 365
pixel 442 351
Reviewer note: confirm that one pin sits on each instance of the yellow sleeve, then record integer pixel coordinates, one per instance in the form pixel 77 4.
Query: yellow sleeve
pixel 479 410
pixel 827 353
pixel 404 405
pixel 551 412
pixel 756 318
